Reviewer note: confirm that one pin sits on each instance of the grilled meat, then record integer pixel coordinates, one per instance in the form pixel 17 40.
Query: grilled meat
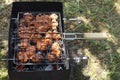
pixel 54 16
pixel 41 46
pixel 22 57
pixel 55 46
pixel 28 17
pixel 24 44
pixel 43 23
pixel 31 29
pixel 36 58
pixel 56 53
pixel 50 57
pixel 56 35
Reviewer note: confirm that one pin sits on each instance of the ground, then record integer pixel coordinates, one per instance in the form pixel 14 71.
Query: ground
pixel 95 16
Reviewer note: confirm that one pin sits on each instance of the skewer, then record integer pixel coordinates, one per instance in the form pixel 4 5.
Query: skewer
pixel 7 59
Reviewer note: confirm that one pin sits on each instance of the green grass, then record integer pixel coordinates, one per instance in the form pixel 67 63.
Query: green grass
pixel 97 16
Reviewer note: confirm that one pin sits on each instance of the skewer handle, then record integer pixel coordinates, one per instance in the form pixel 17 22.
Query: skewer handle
pixel 95 35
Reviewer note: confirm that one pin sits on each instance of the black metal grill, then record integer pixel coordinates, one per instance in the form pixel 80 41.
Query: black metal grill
pixel 36 70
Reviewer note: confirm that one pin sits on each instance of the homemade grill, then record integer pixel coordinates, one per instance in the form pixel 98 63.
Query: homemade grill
pixel 33 45
pixel 37 53
pixel 36 42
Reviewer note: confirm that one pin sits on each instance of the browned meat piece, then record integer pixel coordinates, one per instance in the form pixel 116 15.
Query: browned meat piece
pixel 31 49
pixel 28 17
pixel 36 58
pixel 48 34
pixel 29 54
pixel 35 38
pixel 43 23
pixel 24 29
pixel 55 46
pixel 41 46
pixel 41 28
pixel 54 25
pixel 56 53
pixel 22 35
pixel 22 57
pixel 25 32
pixel 47 41
pixel 56 35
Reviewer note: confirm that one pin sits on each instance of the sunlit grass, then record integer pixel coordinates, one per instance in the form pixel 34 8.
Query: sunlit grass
pixel 3 69
pixel 94 64
pixel 117 6
pixel 112 39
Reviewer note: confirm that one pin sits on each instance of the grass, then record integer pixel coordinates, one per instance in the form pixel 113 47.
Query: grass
pixel 96 16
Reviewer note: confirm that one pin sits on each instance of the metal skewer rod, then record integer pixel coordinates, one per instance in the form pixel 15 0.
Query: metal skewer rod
pixel 7 59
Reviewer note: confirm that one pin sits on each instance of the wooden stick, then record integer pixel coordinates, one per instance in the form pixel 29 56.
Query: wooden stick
pixel 95 35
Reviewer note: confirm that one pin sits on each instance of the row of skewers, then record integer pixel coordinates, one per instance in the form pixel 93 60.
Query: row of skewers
pixel 39 34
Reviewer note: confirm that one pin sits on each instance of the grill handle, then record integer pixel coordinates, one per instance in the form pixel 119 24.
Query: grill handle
pixel 77 36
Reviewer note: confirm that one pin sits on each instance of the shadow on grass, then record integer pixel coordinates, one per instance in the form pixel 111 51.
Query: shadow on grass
pixel 104 16
pixel 104 50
